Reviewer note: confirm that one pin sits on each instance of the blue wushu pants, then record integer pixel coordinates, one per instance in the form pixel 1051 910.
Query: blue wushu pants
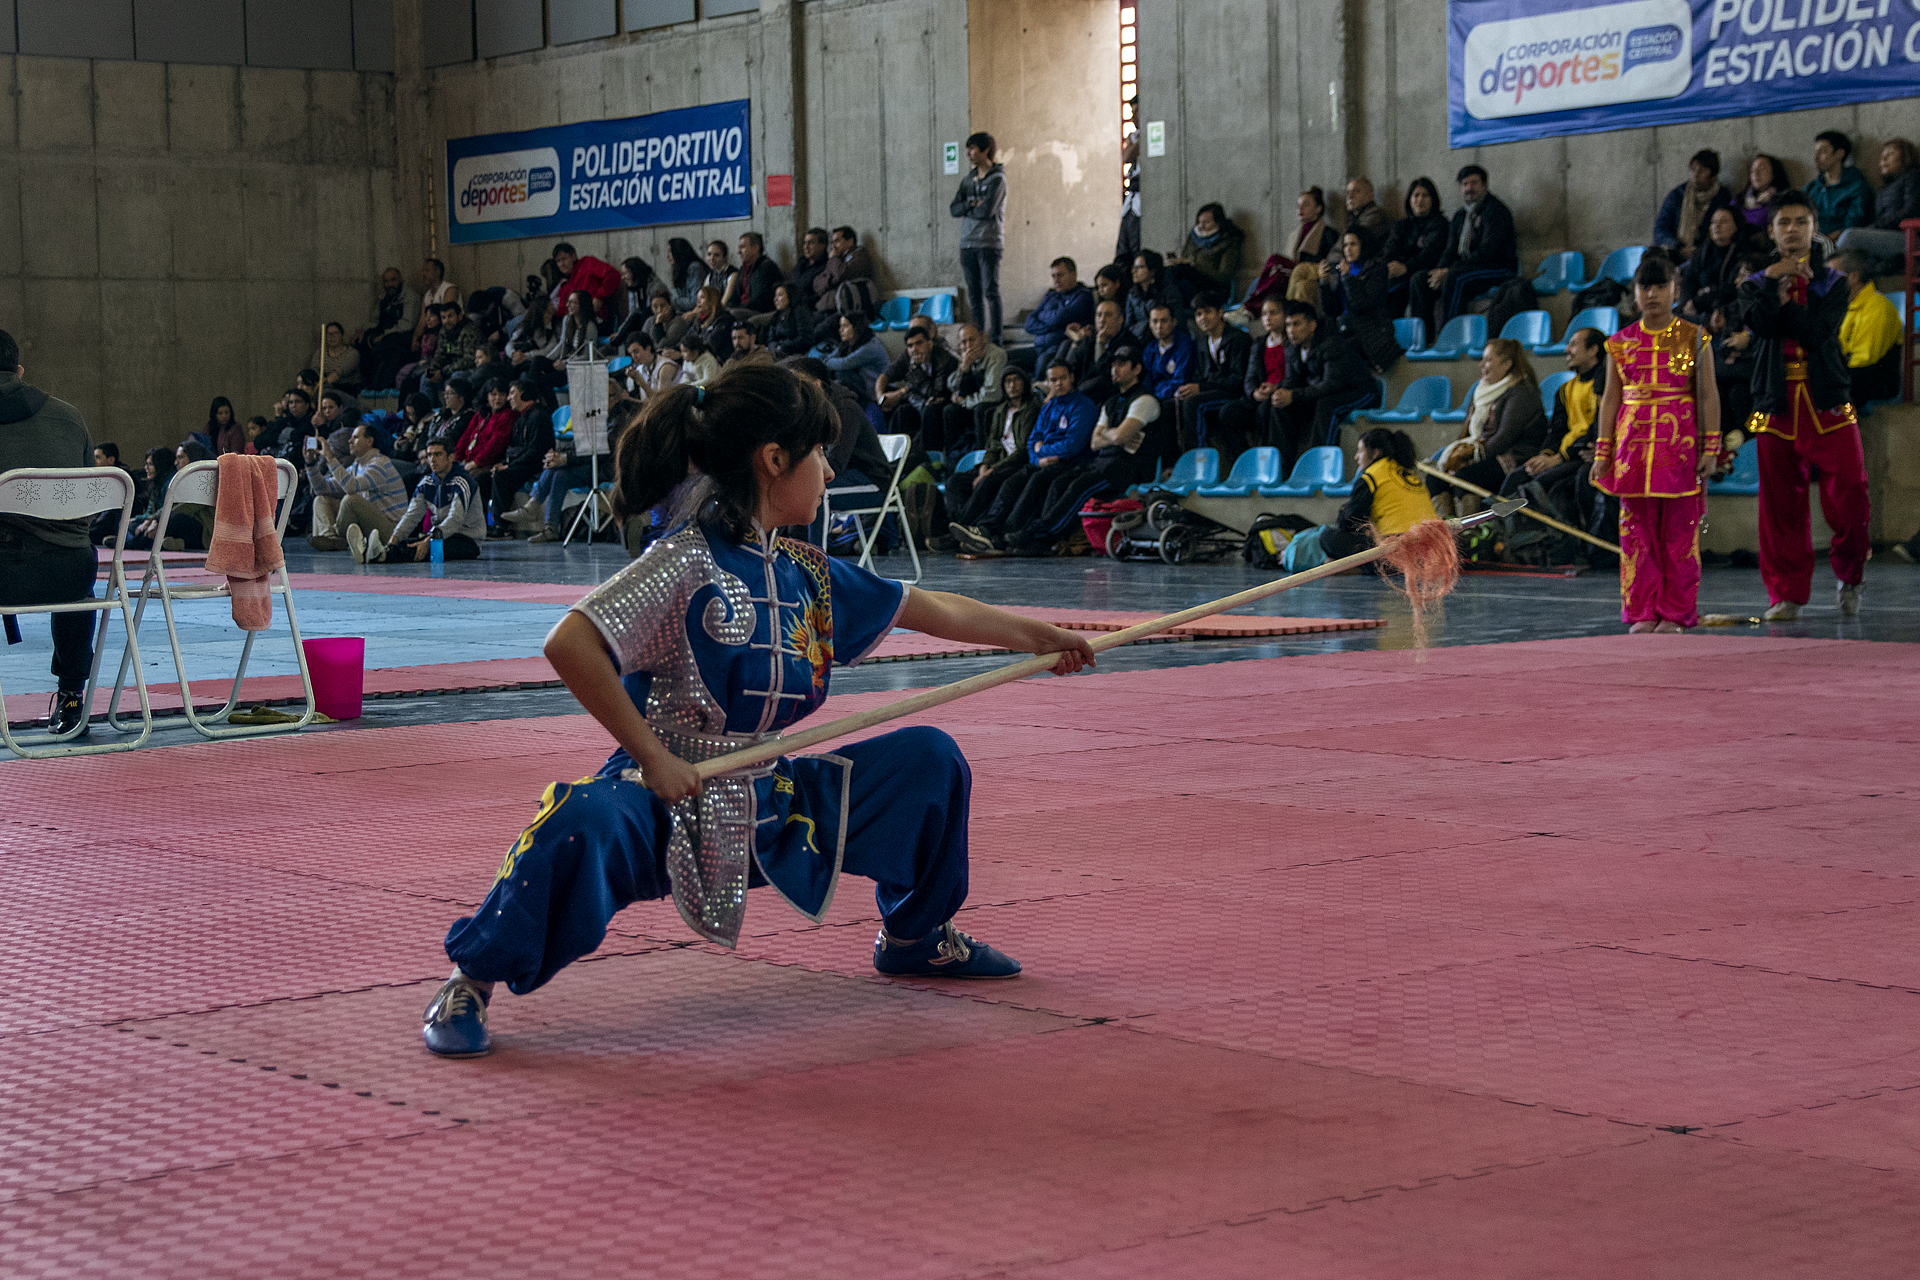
pixel 599 844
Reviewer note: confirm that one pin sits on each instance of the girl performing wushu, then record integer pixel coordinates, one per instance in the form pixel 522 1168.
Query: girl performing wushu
pixel 1658 437
pixel 720 636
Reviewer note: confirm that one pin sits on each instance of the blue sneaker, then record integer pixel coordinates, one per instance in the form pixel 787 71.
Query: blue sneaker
pixel 944 953
pixel 456 1019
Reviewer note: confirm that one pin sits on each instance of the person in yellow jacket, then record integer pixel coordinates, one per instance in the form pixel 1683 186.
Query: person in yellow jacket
pixel 1870 335
pixel 1389 495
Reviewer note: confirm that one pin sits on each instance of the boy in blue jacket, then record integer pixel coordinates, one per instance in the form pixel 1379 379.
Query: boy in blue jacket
pixel 1062 436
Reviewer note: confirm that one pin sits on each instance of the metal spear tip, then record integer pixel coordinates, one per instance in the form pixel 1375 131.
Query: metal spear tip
pixel 1498 511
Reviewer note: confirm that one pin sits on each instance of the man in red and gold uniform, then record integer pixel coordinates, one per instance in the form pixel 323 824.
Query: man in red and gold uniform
pixel 1802 417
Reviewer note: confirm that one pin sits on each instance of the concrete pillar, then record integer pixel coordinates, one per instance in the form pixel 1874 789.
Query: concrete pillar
pixel 412 135
pixel 782 108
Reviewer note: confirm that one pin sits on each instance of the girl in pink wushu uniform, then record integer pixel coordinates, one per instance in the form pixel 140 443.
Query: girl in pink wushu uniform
pixel 1659 435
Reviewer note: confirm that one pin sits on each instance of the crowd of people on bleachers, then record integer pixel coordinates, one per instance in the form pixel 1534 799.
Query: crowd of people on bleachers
pixel 1104 386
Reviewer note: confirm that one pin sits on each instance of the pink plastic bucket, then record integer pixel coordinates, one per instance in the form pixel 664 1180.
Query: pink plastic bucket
pixel 338 667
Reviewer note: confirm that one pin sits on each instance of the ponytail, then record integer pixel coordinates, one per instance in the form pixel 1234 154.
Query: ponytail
pixel 1395 446
pixel 716 430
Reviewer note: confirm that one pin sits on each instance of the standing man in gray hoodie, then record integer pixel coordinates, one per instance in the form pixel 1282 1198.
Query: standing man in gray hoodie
pixel 981 204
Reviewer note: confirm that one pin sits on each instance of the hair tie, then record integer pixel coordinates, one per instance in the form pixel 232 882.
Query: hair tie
pixel 699 396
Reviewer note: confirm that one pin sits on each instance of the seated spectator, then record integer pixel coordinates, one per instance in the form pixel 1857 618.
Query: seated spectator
pixel 1355 288
pixel 1418 242
pixel 855 454
pixel 435 289
pixel 362 489
pixel 1312 242
pixel 1150 285
pixel 1388 497
pixel 255 429
pixel 710 322
pixel 1256 419
pixel 528 441
pixel 846 282
pixel 640 287
pixel 697 363
pixel 716 271
pixel 425 343
pixel 1682 222
pixel 746 347
pixel 664 325
pixel 1219 369
pixel 1169 357
pixel 411 439
pixel 1713 270
pixel 1327 379
pixel 539 328
pixel 1003 442
pixel 1130 438
pixel 1062 436
pixel 292 424
pixel 1884 243
pixel 457 408
pixel 1766 178
pixel 48 561
pixel 858 361
pixel 789 330
pixel 686 275
pixel 1842 197
pixel 1364 212
pixel 973 389
pixel 584 274
pixel 811 262
pixel 385 342
pixel 1481 254
pixel 1870 335
pixel 565 470
pixel 459 340
pixel 1547 478
pixel 481 444
pixel 308 381
pixel 1505 424
pixel 1067 303
pixel 340 358
pixel 105 525
pixel 1111 283
pixel 330 420
pixel 1089 350
pixel 642 375
pixel 749 294
pixel 913 391
pixel 222 433
pixel 444 509
pixel 1211 256
pixel 143 532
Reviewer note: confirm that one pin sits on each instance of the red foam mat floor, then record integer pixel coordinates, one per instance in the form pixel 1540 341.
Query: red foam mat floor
pixel 1357 965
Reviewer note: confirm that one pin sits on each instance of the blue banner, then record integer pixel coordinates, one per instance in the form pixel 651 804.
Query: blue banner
pixel 1532 68
pixel 691 165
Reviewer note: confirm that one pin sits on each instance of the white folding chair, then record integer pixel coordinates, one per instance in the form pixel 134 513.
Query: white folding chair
pixel 895 447
pixel 55 494
pixel 199 483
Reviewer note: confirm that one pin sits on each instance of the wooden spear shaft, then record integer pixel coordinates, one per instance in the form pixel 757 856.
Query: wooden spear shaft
pixel 749 756
pixel 1547 520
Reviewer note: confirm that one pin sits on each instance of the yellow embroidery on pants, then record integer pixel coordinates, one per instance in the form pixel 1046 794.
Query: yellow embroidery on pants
pixel 811 829
pixel 547 807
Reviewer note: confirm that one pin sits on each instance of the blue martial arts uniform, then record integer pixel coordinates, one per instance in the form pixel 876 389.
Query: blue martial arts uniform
pixel 722 643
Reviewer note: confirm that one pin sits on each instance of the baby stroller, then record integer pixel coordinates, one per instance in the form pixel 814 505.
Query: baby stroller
pixel 1165 529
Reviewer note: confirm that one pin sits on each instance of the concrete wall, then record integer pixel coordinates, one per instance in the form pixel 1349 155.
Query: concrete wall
pixel 169 233
pixel 875 85
pixel 1043 78
pixel 1262 99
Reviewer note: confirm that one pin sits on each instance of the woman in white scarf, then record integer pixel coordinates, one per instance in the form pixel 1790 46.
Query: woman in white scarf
pixel 1506 422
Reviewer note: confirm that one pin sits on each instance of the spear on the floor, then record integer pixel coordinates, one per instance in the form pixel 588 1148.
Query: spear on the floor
pixel 1414 552
pixel 1543 518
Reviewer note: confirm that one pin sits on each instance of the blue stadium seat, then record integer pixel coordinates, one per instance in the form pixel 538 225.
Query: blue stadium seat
pixel 1529 328
pixel 1461 335
pixel 1195 468
pixel 1744 479
pixel 894 314
pixel 1410 332
pixel 1605 319
pixel 1556 269
pixel 618 363
pixel 938 308
pixel 1550 387
pixel 562 419
pixel 1459 414
pixel 968 461
pixel 1423 396
pixel 1317 468
pixel 1251 470
pixel 1619 265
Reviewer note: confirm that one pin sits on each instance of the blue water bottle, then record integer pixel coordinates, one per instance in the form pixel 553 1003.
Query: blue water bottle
pixel 437 556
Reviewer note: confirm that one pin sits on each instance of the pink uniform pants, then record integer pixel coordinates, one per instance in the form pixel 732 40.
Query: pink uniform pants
pixel 1660 559
pixel 1786 525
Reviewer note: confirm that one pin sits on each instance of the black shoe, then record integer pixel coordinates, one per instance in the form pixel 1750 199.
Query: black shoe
pixel 68 712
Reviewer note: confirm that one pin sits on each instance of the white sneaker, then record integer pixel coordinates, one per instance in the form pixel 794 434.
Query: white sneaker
pixel 357 543
pixel 376 548
pixel 1849 600
pixel 531 516
pixel 1782 611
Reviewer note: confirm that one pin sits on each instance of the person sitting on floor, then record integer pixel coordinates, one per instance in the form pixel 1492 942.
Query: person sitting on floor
pixel 1505 424
pixel 1388 496
pixel 1219 369
pixel 1870 335
pixel 1061 436
pixel 445 509
pixel 363 489
pixel 525 458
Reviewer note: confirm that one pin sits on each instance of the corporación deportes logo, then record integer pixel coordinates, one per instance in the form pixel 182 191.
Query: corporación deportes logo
pixel 1579 58
pixel 505 185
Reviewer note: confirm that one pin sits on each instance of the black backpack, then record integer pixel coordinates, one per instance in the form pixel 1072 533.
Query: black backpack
pixel 1264 553
pixel 1509 300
